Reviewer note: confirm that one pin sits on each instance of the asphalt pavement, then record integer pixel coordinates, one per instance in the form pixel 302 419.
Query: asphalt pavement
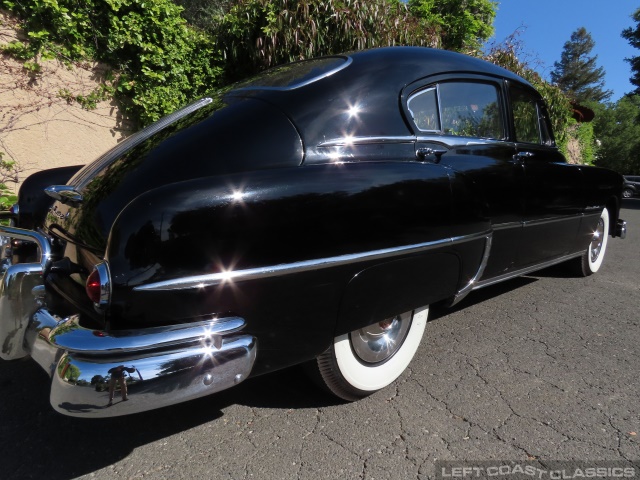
pixel 536 369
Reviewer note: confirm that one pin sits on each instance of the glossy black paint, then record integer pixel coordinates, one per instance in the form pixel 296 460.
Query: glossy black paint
pixel 260 177
pixel 33 202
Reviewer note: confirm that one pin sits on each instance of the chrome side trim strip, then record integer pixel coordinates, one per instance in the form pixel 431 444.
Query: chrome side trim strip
pixel 464 291
pixel 348 141
pixel 201 281
pixel 524 271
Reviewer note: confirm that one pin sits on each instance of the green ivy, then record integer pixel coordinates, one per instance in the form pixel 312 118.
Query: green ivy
pixel 506 56
pixel 162 62
pixel 8 170
pixel 586 137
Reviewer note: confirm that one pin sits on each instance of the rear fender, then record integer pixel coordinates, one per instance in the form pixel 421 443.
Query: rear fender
pixel 267 219
pixel 33 203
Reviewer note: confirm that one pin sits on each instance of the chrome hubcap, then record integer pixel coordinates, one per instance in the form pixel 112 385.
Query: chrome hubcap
pixel 380 341
pixel 596 242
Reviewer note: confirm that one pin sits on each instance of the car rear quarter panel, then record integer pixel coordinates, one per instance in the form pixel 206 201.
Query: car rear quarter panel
pixel 281 216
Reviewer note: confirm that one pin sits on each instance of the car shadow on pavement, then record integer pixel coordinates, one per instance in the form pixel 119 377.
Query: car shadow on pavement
pixel 37 442
pixel 631 204
pixel 440 310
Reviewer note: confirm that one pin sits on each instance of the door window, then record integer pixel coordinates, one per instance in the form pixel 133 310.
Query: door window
pixel 469 109
pixel 530 120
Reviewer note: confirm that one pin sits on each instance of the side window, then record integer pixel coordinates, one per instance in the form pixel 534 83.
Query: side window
pixel 529 117
pixel 423 107
pixel 470 109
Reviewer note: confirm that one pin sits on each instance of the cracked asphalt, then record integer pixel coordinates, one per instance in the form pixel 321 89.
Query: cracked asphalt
pixel 544 367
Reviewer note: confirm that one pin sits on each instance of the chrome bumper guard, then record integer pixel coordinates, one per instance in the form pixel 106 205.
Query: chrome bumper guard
pixel 621 229
pixel 105 374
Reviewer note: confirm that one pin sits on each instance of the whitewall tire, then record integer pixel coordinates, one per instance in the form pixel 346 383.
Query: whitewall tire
pixel 591 259
pixel 366 360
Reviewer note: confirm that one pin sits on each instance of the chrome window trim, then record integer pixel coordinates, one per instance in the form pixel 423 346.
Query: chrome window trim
pixel 349 141
pixel 458 140
pixel 202 281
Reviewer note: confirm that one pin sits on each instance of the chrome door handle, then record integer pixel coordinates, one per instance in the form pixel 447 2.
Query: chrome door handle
pixel 423 153
pixel 522 156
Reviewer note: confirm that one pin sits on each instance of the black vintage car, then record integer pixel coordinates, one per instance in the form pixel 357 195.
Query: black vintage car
pixel 308 215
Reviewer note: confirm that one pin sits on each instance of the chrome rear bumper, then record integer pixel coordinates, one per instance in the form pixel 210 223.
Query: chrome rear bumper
pixel 104 374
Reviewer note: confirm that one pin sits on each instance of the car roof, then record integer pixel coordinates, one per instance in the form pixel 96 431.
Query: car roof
pixel 370 83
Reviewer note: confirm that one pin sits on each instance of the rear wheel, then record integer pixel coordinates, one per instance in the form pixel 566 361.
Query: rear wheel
pixel 627 193
pixel 591 260
pixel 368 359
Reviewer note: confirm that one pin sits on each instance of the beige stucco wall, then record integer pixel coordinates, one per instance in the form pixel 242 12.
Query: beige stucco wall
pixel 38 128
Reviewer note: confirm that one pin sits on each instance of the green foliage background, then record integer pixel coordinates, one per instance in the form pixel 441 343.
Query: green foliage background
pixel 618 130
pixel 162 62
pixel 257 34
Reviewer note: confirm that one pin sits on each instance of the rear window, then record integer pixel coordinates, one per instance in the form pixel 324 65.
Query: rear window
pixel 295 75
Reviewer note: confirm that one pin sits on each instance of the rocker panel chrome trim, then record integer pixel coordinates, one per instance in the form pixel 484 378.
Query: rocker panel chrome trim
pixel 202 281
pixel 524 271
pixel 544 221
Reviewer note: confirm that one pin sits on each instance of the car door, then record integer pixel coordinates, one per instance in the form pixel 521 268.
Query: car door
pixel 553 196
pixel 461 123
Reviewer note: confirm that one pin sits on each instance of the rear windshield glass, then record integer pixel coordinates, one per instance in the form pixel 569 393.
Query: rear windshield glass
pixel 295 75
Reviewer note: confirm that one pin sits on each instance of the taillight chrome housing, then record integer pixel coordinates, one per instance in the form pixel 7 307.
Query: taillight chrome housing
pixel 98 285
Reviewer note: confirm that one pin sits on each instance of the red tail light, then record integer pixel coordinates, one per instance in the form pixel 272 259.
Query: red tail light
pixel 93 286
pixel 98 286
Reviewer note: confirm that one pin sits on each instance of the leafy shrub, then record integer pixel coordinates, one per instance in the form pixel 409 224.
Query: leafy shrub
pixel 257 34
pixel 204 14
pixel 505 55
